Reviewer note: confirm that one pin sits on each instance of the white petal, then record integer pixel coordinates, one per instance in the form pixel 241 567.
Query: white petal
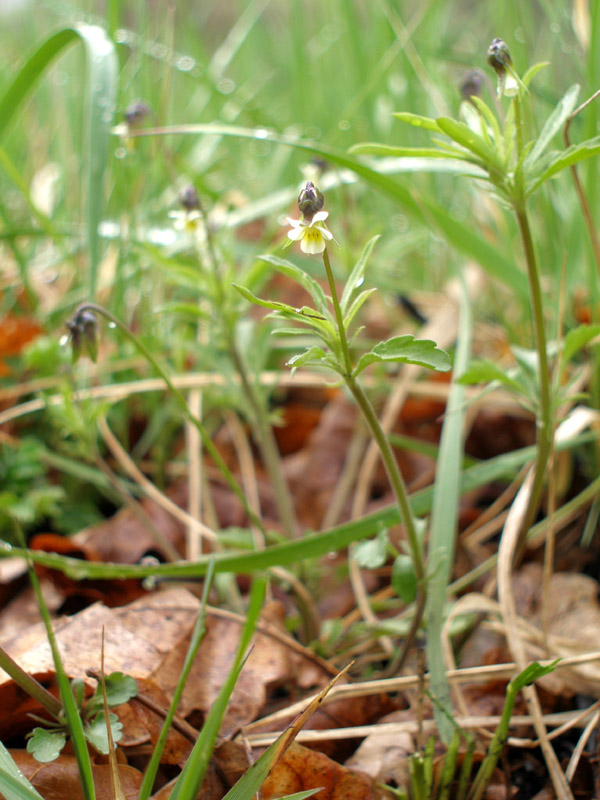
pixel 296 234
pixel 325 233
pixel 320 216
pixel 295 223
pixel 511 87
pixel 312 243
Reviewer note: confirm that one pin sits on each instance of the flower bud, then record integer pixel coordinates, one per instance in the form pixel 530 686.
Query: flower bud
pixel 472 84
pixel 310 201
pixel 136 112
pixel 84 334
pixel 189 199
pixel 499 55
pixel 501 62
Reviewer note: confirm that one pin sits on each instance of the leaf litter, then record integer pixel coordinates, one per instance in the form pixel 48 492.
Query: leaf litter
pixel 147 632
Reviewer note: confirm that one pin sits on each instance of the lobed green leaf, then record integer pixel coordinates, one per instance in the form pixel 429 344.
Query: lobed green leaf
pixel 406 350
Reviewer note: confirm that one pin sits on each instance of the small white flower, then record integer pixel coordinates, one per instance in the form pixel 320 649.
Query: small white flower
pixel 313 237
pixel 188 221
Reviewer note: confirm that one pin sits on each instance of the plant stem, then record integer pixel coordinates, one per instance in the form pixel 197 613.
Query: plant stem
pixel 389 461
pixel 544 420
pixel 181 402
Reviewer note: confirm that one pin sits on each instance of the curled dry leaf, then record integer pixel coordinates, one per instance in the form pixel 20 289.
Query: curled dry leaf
pixel 60 778
pixel 301 768
pixel 573 624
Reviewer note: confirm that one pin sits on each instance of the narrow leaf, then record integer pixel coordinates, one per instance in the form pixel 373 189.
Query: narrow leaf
pixel 576 339
pixel 13 784
pixel 301 277
pixel 463 135
pixel 444 522
pixel 488 372
pixel 253 779
pixel 357 305
pixel 356 277
pixel 417 121
pixel 376 149
pixel 191 777
pixel 553 124
pixel 560 161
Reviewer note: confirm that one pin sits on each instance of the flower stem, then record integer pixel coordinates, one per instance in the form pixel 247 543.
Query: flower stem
pixel 338 317
pixel 389 461
pixel 544 421
pixel 181 402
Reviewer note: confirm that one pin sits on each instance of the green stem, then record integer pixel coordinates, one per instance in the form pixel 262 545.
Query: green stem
pixel 389 461
pixel 181 402
pixel 544 421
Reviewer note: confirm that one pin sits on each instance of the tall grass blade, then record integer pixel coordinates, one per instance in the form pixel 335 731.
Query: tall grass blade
pixel 190 780
pixel 444 520
pixel 253 779
pixel 101 87
pixel 74 721
pixel 195 641
pixel 13 784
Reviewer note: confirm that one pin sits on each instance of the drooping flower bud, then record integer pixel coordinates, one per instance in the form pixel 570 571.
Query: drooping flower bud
pixel 472 85
pixel 188 197
pixel 84 334
pixel 136 113
pixel 500 61
pixel 310 201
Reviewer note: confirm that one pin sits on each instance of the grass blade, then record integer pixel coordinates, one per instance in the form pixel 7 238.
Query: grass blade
pixel 196 639
pixel 74 722
pixel 444 522
pixel 190 780
pixel 253 779
pixel 101 86
pixel 13 784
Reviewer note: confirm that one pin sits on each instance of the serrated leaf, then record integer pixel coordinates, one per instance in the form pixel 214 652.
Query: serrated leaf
pixel 553 124
pixel 576 339
pixel 406 350
pixel 303 278
pixel 488 372
pixel 96 734
pixel 372 553
pixel 356 278
pixel 403 578
pixel 46 746
pixel 119 689
pixel 418 121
